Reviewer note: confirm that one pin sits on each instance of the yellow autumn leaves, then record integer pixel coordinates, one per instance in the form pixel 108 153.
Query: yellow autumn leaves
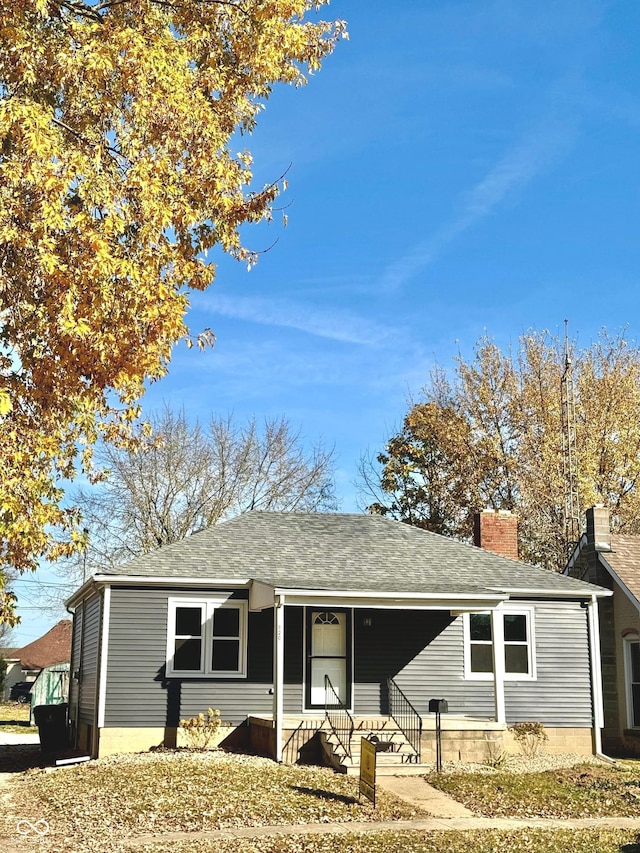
pixel 117 176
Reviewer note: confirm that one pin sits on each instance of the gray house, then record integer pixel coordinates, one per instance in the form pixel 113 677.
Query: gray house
pixel 304 629
pixel 613 561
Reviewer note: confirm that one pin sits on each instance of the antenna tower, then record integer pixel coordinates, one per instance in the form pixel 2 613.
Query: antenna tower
pixel 569 450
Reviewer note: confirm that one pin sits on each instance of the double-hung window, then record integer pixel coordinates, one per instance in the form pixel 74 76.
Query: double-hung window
pixel 517 645
pixel 207 637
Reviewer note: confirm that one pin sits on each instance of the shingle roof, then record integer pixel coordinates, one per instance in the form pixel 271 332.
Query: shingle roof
pixel 324 551
pixel 624 559
pixel 52 647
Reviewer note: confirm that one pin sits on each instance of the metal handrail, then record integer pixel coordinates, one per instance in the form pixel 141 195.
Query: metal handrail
pixel 339 719
pixel 405 716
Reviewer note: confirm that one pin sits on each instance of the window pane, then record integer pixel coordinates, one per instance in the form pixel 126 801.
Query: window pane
pixel 516 659
pixel 226 622
pixel 515 627
pixel 635 697
pixel 188 621
pixel 635 661
pixel 481 658
pixel 226 656
pixel 480 626
pixel 187 655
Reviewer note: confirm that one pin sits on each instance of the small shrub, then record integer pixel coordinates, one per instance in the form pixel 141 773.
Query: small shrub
pixel 496 755
pixel 530 737
pixel 200 731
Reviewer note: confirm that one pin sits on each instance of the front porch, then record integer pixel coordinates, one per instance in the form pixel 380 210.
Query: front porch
pixel 308 739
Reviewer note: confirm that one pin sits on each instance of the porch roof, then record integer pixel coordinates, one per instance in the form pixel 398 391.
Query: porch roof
pixel 344 553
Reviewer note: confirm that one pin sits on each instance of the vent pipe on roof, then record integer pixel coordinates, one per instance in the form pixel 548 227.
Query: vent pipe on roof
pixel 496 532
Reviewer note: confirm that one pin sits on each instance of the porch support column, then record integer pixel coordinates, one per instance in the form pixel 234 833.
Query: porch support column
pixel 278 672
pixel 497 633
pixel 596 673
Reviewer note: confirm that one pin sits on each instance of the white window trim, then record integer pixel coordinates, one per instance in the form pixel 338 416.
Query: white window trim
pixel 522 610
pixel 207 606
pixel 632 638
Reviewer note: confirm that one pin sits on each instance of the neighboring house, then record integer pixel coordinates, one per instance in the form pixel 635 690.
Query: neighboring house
pixel 613 561
pixel 249 617
pixel 25 664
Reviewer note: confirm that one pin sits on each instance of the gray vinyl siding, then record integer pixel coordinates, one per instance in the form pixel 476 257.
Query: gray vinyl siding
pixel 424 653
pixel 139 694
pixel 422 650
pixel 561 693
pixel 88 685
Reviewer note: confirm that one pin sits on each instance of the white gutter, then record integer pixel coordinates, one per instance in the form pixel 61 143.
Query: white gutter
pixel 164 580
pixel 555 593
pixel 400 596
pixel 278 673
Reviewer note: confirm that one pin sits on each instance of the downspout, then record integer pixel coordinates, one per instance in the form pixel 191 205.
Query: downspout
pixel 596 676
pixel 497 634
pixel 278 672
pixel 72 677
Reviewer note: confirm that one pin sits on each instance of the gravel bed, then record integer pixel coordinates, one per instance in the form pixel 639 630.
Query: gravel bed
pixel 522 764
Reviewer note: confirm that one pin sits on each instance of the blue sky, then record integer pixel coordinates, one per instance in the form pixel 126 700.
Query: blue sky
pixel 455 168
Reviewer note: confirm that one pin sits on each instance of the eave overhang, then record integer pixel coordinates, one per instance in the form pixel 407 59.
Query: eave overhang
pixel 156 580
pixel 391 600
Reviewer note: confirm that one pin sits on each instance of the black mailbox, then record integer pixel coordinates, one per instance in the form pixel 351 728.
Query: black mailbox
pixel 438 706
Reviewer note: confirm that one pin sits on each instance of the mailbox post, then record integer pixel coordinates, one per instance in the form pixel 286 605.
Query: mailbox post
pixel 439 706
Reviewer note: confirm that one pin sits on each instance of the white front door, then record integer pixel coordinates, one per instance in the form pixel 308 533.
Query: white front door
pixel 328 655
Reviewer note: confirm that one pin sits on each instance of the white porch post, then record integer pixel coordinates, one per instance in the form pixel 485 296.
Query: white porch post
pixel 596 673
pixel 278 672
pixel 497 633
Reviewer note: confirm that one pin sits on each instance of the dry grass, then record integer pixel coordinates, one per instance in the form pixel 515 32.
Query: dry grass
pixel 585 790
pixel 14 717
pixel 522 841
pixel 168 792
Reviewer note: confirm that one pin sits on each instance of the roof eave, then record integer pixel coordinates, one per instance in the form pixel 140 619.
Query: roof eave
pixel 598 591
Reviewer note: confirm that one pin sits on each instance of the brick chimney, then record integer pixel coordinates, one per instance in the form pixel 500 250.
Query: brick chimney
pixel 598 528
pixel 497 532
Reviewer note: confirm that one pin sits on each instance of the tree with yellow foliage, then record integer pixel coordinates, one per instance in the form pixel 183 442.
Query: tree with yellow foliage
pixel 491 436
pixel 118 176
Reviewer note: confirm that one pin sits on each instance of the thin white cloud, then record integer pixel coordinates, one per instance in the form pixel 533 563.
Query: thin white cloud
pixel 337 326
pixel 542 148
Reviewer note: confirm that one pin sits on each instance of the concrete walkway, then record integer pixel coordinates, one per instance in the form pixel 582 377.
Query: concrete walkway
pixel 415 791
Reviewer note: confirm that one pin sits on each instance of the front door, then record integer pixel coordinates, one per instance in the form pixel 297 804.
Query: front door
pixel 328 653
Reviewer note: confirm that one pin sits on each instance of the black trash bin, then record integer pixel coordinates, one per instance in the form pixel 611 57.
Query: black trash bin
pixel 51 721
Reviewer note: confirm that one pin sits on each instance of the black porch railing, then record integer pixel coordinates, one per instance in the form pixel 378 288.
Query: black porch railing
pixel 406 718
pixel 339 719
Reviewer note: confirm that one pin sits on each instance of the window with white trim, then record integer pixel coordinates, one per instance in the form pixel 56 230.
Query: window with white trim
pixel 517 647
pixel 207 637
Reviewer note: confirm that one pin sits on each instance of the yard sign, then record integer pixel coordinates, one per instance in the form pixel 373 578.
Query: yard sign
pixel 368 769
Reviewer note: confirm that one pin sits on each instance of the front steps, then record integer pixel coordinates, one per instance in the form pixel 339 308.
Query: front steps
pixel 394 757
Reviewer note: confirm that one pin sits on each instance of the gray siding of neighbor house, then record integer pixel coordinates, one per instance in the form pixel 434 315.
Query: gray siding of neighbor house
pixel 588 568
pixel 138 694
pixel 424 653
pixel 90 641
